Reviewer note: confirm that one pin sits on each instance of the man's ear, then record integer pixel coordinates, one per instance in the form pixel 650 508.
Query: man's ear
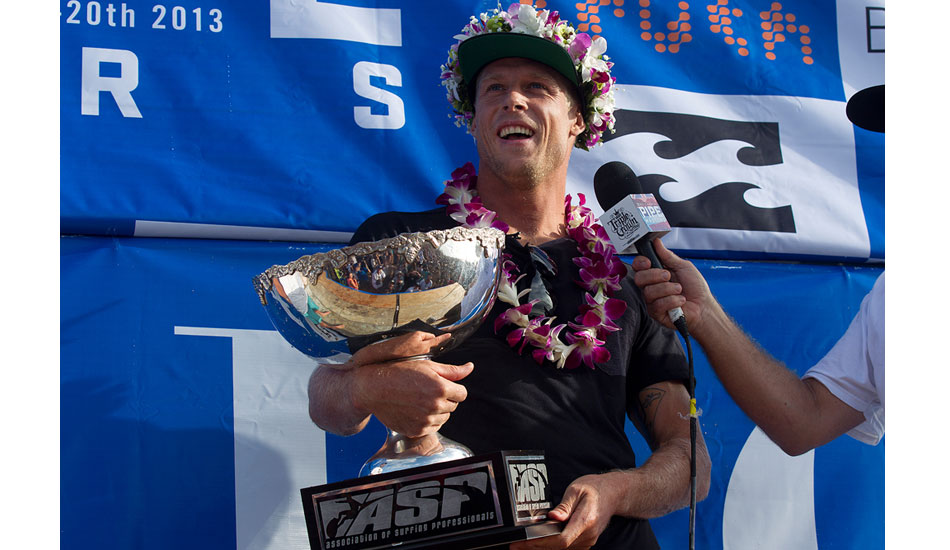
pixel 579 125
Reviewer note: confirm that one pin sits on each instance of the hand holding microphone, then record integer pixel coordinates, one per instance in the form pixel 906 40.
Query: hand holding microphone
pixel 676 284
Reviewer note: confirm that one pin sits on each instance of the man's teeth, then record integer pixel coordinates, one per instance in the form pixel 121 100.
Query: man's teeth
pixel 516 130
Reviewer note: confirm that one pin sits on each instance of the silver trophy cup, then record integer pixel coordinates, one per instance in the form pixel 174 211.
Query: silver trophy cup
pixel 439 281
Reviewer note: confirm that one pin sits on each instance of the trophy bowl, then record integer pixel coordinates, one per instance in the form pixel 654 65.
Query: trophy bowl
pixel 437 281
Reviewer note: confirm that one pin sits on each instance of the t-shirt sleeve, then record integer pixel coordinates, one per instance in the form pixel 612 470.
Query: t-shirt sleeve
pixel 656 356
pixel 853 371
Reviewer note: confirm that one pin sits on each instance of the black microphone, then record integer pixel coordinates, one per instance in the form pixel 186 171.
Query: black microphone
pixel 613 183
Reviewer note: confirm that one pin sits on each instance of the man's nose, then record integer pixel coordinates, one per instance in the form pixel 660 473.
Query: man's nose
pixel 515 101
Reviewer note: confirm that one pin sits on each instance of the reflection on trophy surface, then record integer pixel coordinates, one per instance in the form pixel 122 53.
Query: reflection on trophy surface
pixel 439 281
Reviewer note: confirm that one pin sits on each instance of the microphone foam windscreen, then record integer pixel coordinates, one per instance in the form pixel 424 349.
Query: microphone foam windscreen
pixel 614 181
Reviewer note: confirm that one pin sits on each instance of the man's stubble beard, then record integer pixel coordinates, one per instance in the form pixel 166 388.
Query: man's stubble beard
pixel 525 174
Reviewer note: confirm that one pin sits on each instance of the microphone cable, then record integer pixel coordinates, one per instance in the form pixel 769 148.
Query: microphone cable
pixel 681 327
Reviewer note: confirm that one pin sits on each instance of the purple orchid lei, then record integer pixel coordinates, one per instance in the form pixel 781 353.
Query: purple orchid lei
pixel 600 273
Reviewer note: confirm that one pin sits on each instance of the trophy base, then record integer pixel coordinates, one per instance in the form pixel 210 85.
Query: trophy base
pixel 474 502
pixel 400 453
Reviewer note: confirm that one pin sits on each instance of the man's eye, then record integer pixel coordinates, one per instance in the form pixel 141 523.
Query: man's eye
pixel 493 87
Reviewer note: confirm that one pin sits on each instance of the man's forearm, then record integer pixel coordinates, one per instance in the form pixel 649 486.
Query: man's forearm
pixel 330 405
pixel 771 394
pixel 662 484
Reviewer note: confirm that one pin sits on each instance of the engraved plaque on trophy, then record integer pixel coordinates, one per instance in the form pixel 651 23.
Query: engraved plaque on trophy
pixel 472 502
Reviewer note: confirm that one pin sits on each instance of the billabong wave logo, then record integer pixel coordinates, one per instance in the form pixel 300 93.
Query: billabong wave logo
pixel 723 206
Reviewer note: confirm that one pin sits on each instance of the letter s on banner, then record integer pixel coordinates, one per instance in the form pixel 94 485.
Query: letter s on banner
pixel 396 117
pixel 120 87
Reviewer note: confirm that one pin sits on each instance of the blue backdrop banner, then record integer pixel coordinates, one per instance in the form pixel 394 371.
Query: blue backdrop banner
pixel 239 135
pixel 184 414
pixel 223 118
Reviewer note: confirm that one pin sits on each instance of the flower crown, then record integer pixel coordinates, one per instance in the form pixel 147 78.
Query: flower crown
pixel 590 63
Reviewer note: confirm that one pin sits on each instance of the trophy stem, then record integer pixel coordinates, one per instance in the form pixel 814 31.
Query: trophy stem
pixel 400 452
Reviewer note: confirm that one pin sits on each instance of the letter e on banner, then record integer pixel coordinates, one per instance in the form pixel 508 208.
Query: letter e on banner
pixel 396 117
pixel 312 19
pixel 120 87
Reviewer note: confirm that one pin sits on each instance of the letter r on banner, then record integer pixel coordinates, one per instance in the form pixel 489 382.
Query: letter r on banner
pixel 120 87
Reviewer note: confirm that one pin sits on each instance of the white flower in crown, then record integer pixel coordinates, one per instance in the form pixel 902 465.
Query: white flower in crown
pixel 589 55
pixel 594 59
pixel 600 105
pixel 525 20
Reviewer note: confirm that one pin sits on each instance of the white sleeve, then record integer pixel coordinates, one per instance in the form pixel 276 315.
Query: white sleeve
pixel 853 371
pixel 296 291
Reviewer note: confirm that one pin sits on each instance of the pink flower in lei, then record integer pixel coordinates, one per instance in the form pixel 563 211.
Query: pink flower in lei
pixel 600 273
pixel 463 203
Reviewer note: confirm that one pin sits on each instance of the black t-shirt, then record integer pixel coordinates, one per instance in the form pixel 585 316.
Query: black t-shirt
pixel 576 416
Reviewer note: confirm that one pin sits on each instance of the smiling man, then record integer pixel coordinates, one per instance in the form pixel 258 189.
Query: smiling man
pixel 569 349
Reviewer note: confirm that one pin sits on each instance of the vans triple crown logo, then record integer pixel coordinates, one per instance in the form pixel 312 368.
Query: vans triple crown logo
pixel 623 223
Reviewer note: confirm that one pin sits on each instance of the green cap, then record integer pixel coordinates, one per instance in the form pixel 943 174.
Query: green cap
pixel 478 51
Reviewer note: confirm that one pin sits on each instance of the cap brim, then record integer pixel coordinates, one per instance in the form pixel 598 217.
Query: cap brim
pixel 866 109
pixel 477 52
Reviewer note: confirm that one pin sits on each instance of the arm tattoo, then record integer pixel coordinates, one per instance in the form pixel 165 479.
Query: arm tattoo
pixel 649 405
